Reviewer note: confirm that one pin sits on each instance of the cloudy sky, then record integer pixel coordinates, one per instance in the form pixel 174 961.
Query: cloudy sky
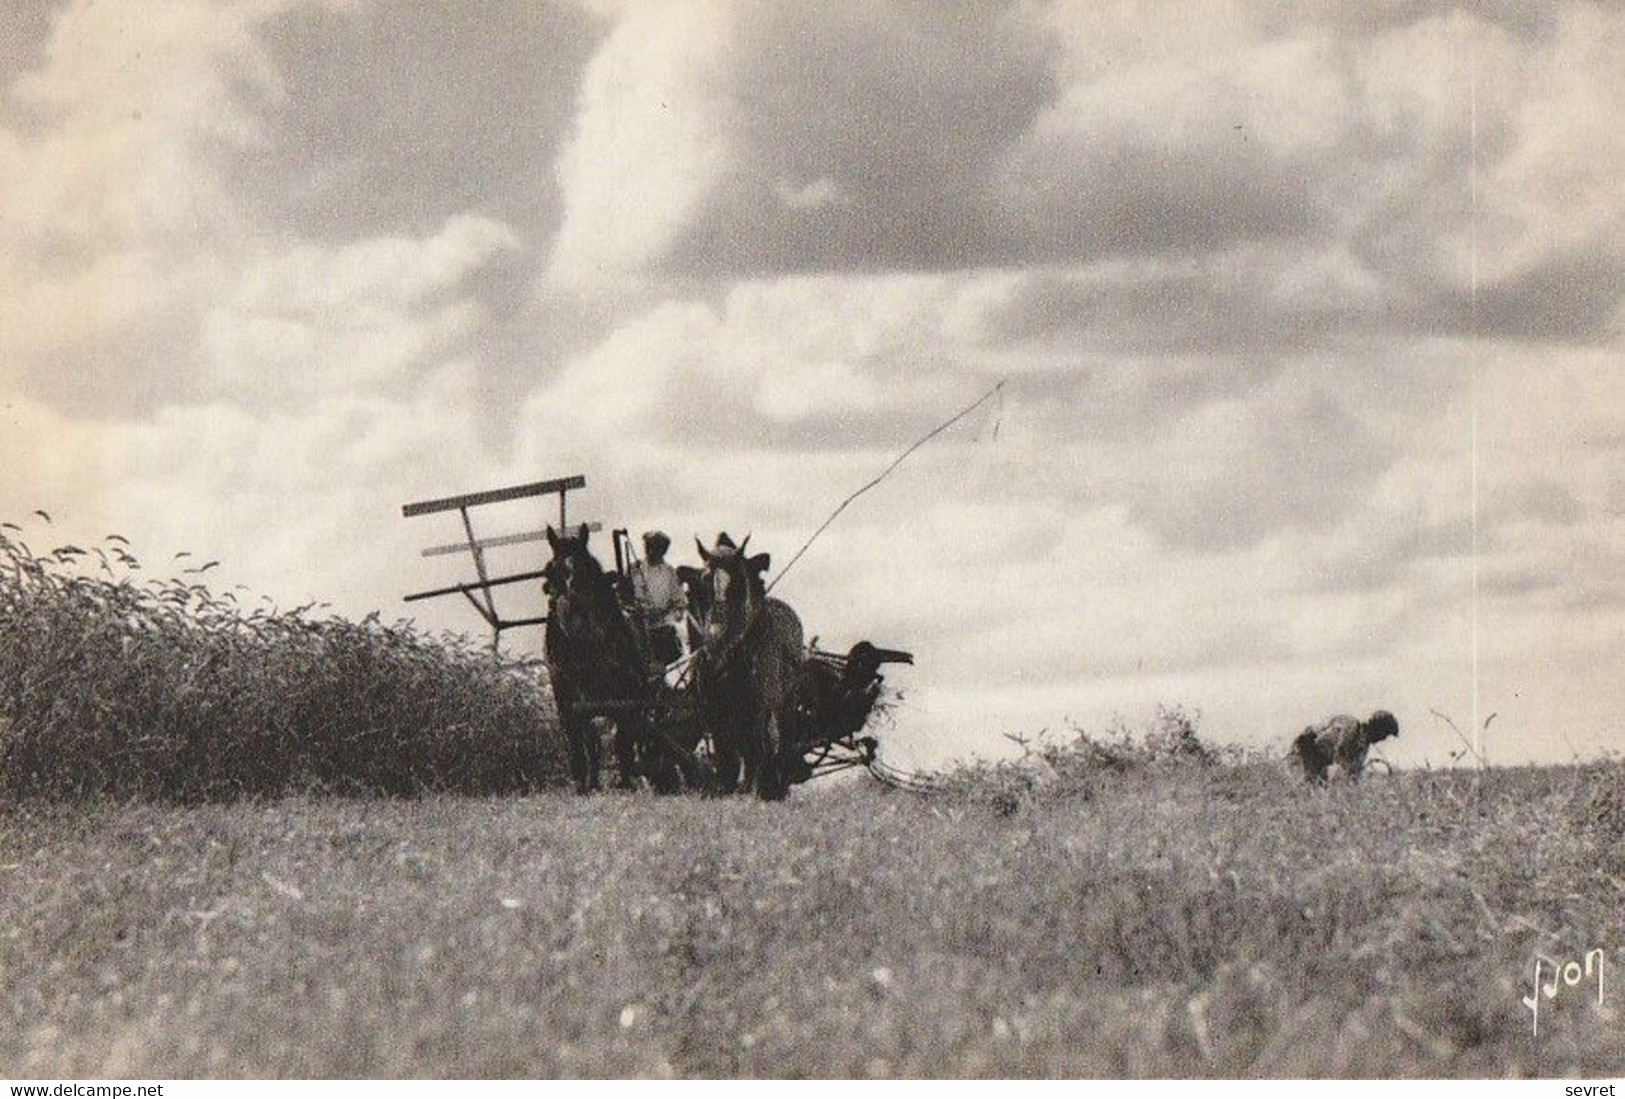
pixel 1289 299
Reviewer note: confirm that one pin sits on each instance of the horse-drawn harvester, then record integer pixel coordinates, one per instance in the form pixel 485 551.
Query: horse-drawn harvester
pixel 747 704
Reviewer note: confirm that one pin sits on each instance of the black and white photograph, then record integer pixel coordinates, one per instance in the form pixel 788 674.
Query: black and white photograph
pixel 674 540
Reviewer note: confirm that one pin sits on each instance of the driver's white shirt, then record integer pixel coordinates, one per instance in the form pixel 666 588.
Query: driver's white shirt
pixel 659 592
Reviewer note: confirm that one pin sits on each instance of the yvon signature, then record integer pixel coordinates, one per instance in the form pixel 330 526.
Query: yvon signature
pixel 1566 975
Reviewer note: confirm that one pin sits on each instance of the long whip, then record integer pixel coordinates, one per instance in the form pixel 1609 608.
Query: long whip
pixel 917 444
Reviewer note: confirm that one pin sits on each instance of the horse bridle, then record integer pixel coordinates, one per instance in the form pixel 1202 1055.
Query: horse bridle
pixel 566 593
pixel 721 656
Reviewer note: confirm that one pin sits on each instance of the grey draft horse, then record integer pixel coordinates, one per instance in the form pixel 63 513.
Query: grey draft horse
pixel 749 665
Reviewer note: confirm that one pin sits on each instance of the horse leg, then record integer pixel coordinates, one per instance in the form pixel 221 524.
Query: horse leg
pixel 770 780
pixel 627 739
pixel 583 767
pixel 727 763
pixel 753 740
pixel 657 763
pixel 595 754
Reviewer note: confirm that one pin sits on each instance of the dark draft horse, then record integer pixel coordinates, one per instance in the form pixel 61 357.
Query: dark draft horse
pixel 749 665
pixel 594 661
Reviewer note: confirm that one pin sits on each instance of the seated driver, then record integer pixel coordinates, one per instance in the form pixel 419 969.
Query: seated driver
pixel 658 594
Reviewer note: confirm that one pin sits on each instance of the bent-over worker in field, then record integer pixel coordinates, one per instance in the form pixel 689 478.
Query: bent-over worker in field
pixel 658 593
pixel 1342 740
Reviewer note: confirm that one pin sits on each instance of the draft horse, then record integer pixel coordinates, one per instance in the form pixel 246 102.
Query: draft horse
pixel 748 667
pixel 594 662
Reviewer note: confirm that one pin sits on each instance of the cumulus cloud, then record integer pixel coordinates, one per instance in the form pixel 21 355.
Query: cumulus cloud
pixel 315 319
pixel 771 137
pixel 116 221
pixel 174 370
pixel 650 141
pixel 1236 470
pixel 1325 173
pixel 392 117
